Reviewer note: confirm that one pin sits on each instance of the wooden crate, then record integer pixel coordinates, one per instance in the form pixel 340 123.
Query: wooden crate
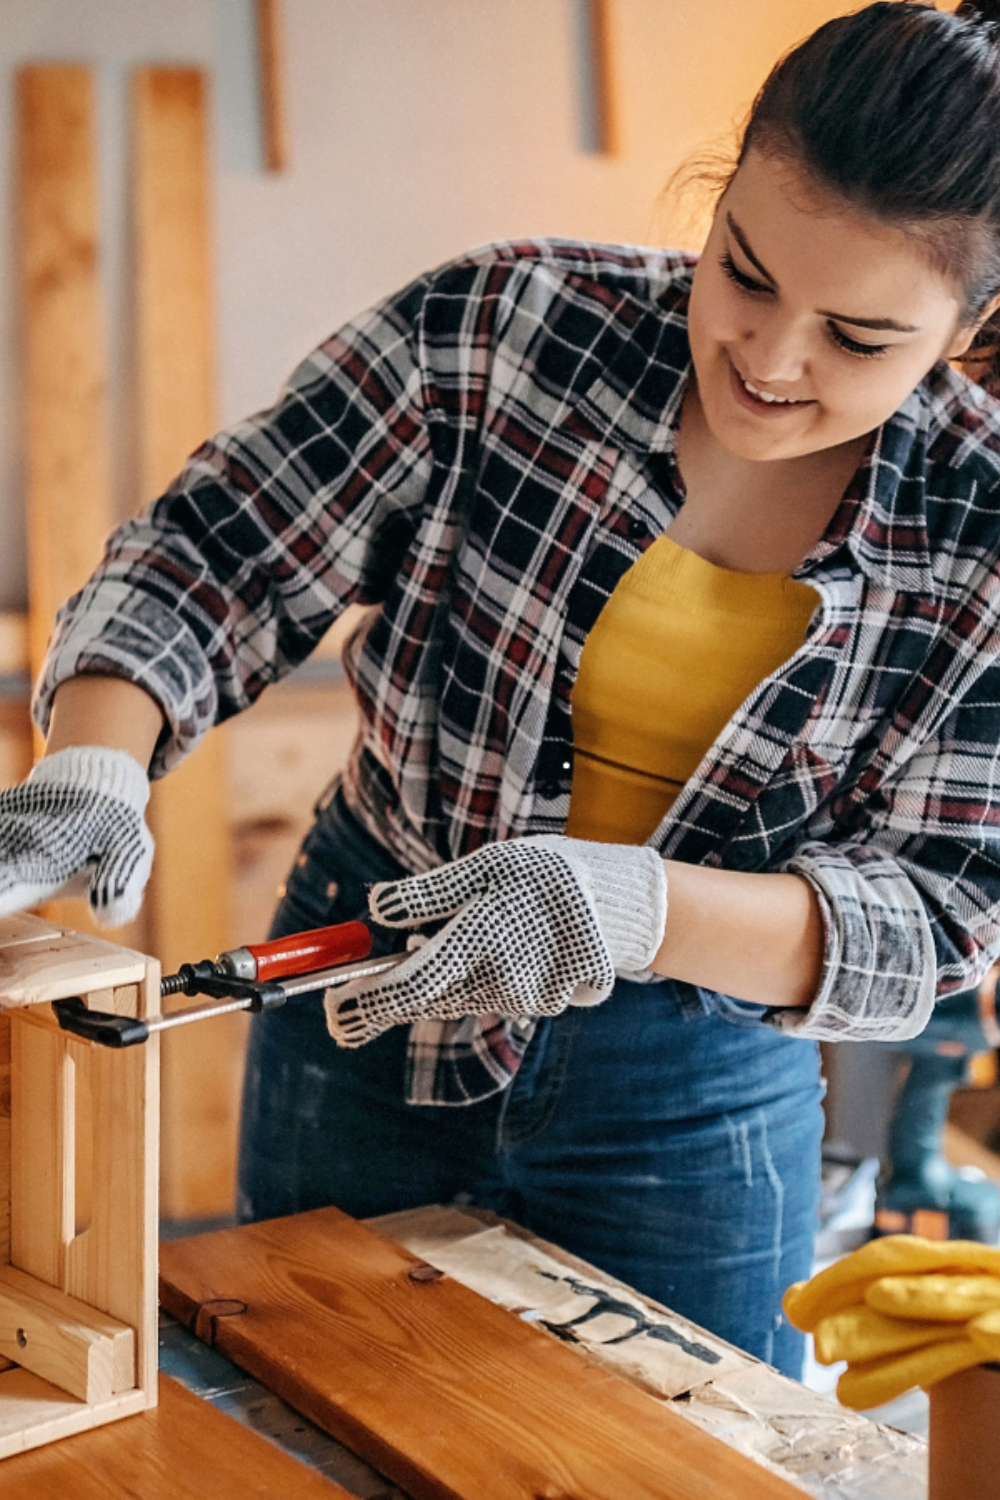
pixel 79 1134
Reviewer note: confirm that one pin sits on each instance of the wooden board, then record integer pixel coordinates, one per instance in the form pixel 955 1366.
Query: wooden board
pixel 188 899
pixel 271 67
pixel 78 1172
pixel 184 1450
pixel 60 1338
pixel 5 1046
pixel 440 1390
pixel 65 383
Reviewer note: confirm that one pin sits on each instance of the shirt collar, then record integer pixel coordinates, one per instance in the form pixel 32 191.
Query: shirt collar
pixel 634 403
pixel 882 521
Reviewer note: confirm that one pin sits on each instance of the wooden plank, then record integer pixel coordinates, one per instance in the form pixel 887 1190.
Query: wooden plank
pixel 175 319
pixel 184 1450
pixel 65 388
pixel 442 1391
pixel 41 1111
pixel 271 68
pixel 14 658
pixel 25 928
pixel 112 1265
pixel 598 135
pixel 32 973
pixel 34 1412
pixel 63 1340
pixel 4 1139
pixel 188 900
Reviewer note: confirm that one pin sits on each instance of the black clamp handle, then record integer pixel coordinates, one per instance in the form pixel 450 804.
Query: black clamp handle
pixel 99 1025
pixel 199 979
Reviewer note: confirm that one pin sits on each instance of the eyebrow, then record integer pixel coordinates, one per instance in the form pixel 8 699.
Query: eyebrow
pixel 878 324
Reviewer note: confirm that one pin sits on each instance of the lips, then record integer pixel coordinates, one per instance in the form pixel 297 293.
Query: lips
pixel 753 398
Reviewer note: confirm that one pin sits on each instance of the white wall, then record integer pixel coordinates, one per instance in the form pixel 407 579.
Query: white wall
pixel 418 128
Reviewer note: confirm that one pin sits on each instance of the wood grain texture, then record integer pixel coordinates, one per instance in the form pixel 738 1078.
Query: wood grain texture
pixel 187 904
pixel 4 1139
pixel 112 1266
pixel 271 68
pixel 33 1412
pixel 442 1391
pixel 65 383
pixel 64 964
pixel 68 1343
pixel 14 657
pixel 184 1450
pixel 94 1358
pixel 42 1165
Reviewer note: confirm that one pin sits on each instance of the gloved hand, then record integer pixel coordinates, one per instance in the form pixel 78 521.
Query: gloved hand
pixel 902 1311
pixel 79 814
pixel 537 924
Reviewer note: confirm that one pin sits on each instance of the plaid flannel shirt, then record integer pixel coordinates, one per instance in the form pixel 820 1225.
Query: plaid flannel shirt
pixel 482 457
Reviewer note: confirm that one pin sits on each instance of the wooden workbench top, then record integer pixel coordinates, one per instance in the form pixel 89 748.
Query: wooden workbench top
pixel 183 1449
pixel 441 1390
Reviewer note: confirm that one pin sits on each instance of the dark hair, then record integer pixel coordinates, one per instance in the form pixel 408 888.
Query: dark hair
pixel 896 108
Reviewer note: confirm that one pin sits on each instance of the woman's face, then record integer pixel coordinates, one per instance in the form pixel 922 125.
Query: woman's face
pixel 810 324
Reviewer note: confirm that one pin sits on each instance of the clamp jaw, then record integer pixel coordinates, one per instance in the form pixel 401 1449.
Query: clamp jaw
pixel 199 979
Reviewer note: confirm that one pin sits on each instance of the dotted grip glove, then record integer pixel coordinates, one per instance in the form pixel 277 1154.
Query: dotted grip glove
pixel 77 818
pixel 537 924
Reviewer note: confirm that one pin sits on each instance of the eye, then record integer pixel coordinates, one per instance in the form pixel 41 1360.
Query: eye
pixel 851 346
pixel 743 281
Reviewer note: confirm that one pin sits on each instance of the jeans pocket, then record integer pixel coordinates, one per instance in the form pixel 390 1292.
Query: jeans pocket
pixel 742 1013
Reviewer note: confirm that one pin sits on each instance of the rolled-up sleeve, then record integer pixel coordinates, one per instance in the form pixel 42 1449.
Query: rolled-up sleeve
pixel 911 903
pixel 879 978
pixel 231 578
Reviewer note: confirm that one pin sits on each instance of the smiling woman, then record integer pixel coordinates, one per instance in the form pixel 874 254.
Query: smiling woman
pixel 810 323
pixel 698 564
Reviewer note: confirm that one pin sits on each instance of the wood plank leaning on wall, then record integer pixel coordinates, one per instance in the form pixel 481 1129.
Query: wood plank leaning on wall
pixel 67 447
pixel 188 900
pixel 271 68
pixel 67 444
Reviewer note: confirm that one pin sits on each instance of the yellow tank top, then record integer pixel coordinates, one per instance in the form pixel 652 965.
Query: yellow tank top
pixel 675 651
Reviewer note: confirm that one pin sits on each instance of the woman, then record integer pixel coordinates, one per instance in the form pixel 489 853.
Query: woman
pixel 696 564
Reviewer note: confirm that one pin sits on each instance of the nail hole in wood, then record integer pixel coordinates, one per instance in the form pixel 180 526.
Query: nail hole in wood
pixel 209 1313
pixel 423 1272
pixel 22 1339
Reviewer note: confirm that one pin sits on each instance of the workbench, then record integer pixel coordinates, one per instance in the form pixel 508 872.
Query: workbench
pixel 615 1388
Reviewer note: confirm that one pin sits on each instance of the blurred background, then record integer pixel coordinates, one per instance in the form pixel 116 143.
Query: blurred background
pixel 195 193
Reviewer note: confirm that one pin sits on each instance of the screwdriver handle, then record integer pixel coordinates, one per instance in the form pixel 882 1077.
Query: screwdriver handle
pixel 323 948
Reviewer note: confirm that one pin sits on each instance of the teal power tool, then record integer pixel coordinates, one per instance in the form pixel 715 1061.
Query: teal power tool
pixel 920 1192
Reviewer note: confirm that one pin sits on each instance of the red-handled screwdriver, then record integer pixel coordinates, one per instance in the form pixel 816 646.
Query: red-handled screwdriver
pixel 255 978
pixel 300 953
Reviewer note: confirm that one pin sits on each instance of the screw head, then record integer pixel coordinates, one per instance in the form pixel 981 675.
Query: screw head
pixel 423 1272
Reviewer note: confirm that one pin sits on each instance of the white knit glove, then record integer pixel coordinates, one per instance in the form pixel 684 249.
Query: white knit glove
pixel 79 814
pixel 537 924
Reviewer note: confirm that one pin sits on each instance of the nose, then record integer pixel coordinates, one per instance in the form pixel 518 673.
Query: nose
pixel 775 351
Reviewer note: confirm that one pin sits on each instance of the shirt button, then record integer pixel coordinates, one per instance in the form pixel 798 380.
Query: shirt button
pixel 636 528
pixel 549 790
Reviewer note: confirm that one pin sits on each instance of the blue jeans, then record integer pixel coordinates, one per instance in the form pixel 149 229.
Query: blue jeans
pixel 674 1147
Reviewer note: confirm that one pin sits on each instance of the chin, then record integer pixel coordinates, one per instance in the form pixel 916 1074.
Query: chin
pixel 760 442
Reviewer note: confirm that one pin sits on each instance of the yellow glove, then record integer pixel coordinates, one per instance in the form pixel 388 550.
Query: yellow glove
pixel 880 1380
pixel 860 1333
pixel 845 1283
pixel 940 1298
pixel 985 1333
pixel 902 1311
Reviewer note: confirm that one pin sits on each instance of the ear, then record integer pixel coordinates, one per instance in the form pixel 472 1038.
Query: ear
pixel 963 338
